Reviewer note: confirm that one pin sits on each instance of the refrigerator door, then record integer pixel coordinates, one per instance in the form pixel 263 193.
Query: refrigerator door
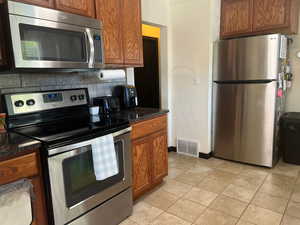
pixel 244 122
pixel 254 58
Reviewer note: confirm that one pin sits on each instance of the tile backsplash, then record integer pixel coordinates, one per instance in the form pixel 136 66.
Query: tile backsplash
pixel 24 82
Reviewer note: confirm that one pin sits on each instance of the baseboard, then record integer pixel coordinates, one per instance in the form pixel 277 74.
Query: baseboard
pixel 172 149
pixel 204 155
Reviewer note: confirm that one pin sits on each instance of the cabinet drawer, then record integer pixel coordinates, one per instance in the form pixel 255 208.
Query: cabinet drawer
pixel 21 167
pixel 147 127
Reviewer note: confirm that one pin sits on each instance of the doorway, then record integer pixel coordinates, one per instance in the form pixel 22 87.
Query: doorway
pixel 146 78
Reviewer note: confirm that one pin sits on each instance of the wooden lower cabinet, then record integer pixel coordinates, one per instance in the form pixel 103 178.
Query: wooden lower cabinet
pixel 141 165
pixel 150 157
pixel 39 204
pixel 159 156
pixel 27 166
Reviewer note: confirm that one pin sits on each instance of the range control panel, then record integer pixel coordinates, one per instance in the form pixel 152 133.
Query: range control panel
pixel 22 103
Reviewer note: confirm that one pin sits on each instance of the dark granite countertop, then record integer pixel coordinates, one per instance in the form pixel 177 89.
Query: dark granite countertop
pixel 139 114
pixel 13 145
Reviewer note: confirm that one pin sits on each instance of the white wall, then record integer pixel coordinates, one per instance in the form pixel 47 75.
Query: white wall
pixel 156 12
pixel 293 97
pixel 193 28
pixel 188 31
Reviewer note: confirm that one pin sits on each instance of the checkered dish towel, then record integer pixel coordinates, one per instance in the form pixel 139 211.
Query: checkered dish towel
pixel 105 157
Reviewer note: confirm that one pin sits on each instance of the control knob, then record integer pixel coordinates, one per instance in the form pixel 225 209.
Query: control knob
pixel 30 102
pixel 81 97
pixel 73 98
pixel 19 103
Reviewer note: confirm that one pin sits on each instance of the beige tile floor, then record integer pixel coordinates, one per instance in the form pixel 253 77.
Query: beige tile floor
pixel 219 192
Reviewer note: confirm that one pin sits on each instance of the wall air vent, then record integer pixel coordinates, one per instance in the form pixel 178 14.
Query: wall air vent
pixel 187 147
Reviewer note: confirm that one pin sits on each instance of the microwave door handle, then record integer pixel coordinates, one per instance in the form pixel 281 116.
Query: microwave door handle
pixel 92 48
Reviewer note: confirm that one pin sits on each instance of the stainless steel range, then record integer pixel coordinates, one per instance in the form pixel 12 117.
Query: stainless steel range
pixel 69 136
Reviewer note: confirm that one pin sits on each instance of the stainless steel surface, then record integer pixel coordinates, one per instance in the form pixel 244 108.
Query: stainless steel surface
pixel 112 212
pixel 253 58
pixel 244 122
pixel 63 214
pixel 20 13
pixel 82 144
pixel 40 105
pixel 92 48
pixel 26 10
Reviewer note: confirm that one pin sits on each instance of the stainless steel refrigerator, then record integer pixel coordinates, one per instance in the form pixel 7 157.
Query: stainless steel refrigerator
pixel 246 101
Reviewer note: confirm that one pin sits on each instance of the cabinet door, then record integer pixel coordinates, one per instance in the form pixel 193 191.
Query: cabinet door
pixel 132 32
pixel 109 12
pixel 43 3
pixel 271 14
pixel 141 166
pixel 236 17
pixel 159 156
pixel 81 7
pixel 39 205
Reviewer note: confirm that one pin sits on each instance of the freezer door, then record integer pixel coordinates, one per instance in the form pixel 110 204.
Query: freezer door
pixel 254 58
pixel 243 122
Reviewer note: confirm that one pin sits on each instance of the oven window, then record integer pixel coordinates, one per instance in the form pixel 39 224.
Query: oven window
pixel 47 44
pixel 79 178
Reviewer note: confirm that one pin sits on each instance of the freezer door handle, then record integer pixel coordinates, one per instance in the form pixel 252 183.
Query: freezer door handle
pixel 244 82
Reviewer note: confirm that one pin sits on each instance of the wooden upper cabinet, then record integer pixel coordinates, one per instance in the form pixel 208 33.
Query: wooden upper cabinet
pixel 275 14
pixel 142 166
pixel 132 32
pixel 159 156
pixel 43 3
pixel 236 17
pixel 109 12
pixel 80 7
pixel 253 17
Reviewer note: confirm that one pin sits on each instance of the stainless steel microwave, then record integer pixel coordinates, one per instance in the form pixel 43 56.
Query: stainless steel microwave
pixel 41 38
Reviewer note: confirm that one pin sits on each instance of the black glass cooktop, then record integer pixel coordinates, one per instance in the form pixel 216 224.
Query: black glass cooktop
pixel 73 129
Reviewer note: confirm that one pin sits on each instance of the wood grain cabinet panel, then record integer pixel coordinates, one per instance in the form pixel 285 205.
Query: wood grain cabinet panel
pixel 43 3
pixel 236 17
pixel 18 168
pixel 141 164
pixel 150 154
pixel 81 7
pixel 132 32
pixel 110 14
pixel 273 15
pixel 255 17
pixel 144 128
pixel 159 156
pixel 270 13
pixel 27 166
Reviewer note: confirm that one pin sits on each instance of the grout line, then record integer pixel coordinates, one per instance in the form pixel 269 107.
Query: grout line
pixel 290 199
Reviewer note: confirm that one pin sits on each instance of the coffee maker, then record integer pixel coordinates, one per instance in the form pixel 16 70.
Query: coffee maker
pixel 127 95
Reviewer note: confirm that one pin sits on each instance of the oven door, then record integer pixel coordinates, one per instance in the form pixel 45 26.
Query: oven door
pixel 74 188
pixel 38 43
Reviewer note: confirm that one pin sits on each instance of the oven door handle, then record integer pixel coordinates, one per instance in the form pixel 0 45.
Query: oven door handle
pixel 67 148
pixel 91 48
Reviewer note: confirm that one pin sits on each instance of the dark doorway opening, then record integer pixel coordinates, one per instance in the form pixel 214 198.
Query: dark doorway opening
pixel 147 78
